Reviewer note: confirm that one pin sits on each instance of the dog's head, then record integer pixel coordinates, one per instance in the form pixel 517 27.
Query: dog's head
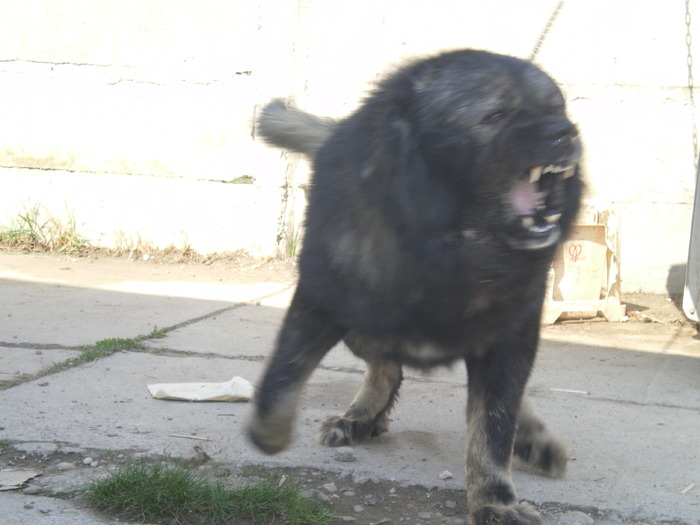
pixel 495 130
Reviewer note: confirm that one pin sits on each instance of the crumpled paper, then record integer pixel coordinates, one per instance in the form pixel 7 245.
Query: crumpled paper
pixel 237 389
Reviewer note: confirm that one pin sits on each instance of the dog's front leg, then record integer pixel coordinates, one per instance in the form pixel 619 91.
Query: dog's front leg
pixel 496 382
pixel 307 334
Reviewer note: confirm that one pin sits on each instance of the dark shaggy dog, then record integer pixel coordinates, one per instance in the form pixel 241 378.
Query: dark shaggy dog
pixel 433 216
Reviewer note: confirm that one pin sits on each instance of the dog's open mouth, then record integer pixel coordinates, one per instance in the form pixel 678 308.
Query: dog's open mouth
pixel 537 201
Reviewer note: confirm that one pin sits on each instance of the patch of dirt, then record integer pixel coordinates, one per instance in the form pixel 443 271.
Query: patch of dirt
pixel 228 266
pixel 651 308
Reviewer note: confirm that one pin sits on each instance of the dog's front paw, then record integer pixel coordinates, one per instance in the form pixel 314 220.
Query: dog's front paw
pixel 337 431
pixel 269 434
pixel 515 514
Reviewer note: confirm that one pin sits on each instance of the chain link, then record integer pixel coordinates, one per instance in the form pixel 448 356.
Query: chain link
pixel 545 30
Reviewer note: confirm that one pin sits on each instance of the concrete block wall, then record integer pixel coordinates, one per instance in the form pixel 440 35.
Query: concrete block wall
pixel 136 116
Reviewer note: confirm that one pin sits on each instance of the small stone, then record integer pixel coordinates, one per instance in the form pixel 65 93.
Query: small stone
pixel 425 515
pixel 392 490
pixel 358 508
pixel 446 474
pixel 94 463
pixel 370 500
pixel 359 479
pixel 331 488
pixel 349 493
pixel 87 460
pixel 314 494
pixel 30 490
pixel 64 465
pixel 345 454
pixel 450 504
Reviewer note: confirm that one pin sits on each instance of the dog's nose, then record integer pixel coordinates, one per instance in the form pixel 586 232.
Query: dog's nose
pixel 561 133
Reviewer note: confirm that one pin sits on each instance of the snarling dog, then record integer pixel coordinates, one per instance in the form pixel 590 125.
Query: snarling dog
pixel 433 216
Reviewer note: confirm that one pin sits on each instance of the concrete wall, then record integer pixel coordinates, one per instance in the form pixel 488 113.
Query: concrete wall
pixel 130 114
pixel 135 116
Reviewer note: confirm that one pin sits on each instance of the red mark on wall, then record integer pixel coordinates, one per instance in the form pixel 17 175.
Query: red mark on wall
pixel 575 252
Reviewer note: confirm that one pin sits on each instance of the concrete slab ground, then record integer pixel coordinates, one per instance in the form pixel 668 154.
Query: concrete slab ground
pixel 625 397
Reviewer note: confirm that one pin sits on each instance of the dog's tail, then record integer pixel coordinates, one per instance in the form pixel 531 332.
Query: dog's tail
pixel 292 129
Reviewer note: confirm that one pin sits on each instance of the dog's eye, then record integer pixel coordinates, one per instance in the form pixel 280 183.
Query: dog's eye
pixel 495 117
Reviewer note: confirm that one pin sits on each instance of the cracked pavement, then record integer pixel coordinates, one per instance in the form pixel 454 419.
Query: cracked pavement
pixel 625 397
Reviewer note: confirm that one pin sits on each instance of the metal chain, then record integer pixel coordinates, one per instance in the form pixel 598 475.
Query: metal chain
pixel 691 86
pixel 545 30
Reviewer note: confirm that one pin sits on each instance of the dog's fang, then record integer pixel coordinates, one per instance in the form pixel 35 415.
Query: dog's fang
pixel 535 174
pixel 552 219
pixel 569 172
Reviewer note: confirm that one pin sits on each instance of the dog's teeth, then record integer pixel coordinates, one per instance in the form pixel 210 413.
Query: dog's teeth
pixel 552 219
pixel 528 222
pixel 569 172
pixel 540 228
pixel 535 174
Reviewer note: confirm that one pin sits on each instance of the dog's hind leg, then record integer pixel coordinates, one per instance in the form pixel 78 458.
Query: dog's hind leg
pixel 306 336
pixel 536 446
pixel 368 413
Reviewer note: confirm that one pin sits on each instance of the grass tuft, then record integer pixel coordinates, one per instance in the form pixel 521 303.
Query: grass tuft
pixel 35 230
pixel 100 349
pixel 171 493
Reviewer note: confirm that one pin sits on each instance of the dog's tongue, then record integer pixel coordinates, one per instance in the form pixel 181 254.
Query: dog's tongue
pixel 524 198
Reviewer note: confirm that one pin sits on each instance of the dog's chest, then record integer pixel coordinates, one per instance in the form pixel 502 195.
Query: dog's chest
pixel 425 354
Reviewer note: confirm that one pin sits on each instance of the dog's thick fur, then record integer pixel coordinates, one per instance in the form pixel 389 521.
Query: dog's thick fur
pixel 433 217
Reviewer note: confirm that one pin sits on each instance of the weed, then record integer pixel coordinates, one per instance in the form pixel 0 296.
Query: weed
pixel 35 230
pixel 4 443
pixel 170 493
pixel 156 333
pixel 292 240
pixel 100 349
